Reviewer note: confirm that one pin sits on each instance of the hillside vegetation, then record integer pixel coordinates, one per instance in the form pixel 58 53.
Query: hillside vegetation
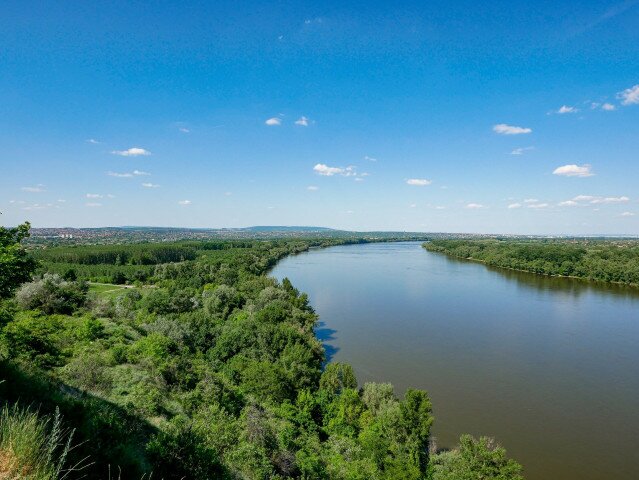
pixel 206 368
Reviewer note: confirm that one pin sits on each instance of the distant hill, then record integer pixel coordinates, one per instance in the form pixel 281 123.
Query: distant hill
pixel 280 228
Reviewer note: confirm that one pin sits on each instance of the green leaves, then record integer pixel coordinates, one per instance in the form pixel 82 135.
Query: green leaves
pixel 16 266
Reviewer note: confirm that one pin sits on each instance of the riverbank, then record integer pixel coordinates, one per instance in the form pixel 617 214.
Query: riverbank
pixel 606 262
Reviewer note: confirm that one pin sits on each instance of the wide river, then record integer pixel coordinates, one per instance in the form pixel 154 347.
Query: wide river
pixel 547 366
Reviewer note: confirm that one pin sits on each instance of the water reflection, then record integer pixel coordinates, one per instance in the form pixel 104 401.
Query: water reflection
pixel 572 286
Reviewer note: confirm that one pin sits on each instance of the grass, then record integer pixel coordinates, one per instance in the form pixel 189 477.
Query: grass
pixel 106 289
pixel 33 447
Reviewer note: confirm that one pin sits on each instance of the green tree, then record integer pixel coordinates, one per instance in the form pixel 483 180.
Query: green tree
pixel 475 460
pixel 16 266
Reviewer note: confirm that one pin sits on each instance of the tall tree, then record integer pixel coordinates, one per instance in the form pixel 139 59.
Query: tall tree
pixel 16 266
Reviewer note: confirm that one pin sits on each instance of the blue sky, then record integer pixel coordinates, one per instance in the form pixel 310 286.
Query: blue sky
pixel 513 117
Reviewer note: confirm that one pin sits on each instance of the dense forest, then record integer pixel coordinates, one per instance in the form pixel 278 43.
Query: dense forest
pixel 599 260
pixel 192 363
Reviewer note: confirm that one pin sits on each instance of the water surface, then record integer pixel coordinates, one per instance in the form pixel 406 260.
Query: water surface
pixel 548 366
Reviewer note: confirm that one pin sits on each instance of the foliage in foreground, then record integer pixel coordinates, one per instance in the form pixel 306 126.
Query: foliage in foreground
pixel 212 370
pixel 32 447
pixel 604 261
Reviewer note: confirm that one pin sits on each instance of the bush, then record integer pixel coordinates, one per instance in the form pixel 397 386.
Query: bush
pixel 52 294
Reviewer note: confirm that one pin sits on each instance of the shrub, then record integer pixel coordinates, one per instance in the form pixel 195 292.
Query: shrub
pixel 52 294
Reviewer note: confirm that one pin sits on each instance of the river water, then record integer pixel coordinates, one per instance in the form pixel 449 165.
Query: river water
pixel 547 366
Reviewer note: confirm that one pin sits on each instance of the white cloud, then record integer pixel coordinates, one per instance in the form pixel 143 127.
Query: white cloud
pixel 184 130
pixel 325 170
pixel 36 189
pixel 370 159
pixel 440 208
pixel 184 202
pixel 514 205
pixel 150 185
pixel 521 150
pixel 131 152
pixel 93 141
pixel 538 205
pixel 567 109
pixel 475 206
pixel 584 200
pixel 418 182
pixel 312 188
pixel 94 195
pixel 359 179
pixel 608 107
pixel 303 121
pixel 574 171
pixel 37 206
pixel 127 174
pixel 505 129
pixel 622 199
pixel 531 200
pixel 61 200
pixel 629 96
pixel 93 204
pixel 627 214
pixel 273 121
pixel 412 205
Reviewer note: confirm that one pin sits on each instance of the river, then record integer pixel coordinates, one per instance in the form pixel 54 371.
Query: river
pixel 547 366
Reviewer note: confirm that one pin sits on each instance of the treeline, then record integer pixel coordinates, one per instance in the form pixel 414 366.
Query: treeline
pixel 605 261
pixel 214 372
pixel 133 254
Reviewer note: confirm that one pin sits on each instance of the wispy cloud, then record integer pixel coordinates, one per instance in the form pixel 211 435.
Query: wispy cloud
pixel 585 200
pixel 184 130
pixel 504 129
pixel 475 206
pixel 132 152
pixel 609 107
pixel 325 170
pixel 139 172
pixel 150 185
pixel 566 109
pixel 607 200
pixel 312 188
pixel 274 121
pixel 94 195
pixel 574 171
pixel 630 96
pixel 514 205
pixel 37 189
pixel 531 200
pixel 627 214
pixel 521 150
pixel 38 206
pixel 538 205
pixel 93 141
pixel 418 182
pixel 302 121
pixel 370 159
pixel 184 202
pixel 120 175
